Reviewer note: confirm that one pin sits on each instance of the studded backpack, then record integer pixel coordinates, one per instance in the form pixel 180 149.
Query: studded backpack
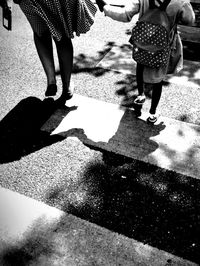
pixel 151 36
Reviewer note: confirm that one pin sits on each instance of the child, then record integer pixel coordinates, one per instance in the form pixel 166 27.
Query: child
pixel 178 11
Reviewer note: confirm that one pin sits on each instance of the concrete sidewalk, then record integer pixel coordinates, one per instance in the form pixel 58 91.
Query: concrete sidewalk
pixel 32 233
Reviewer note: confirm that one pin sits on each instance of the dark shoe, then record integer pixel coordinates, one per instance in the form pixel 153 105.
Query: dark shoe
pixel 100 4
pixel 67 94
pixel 51 90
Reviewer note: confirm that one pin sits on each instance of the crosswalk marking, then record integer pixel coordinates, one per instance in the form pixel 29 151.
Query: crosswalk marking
pixel 43 235
pixel 170 144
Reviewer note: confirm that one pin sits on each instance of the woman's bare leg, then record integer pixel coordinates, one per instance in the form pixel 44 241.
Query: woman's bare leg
pixel 44 48
pixel 65 56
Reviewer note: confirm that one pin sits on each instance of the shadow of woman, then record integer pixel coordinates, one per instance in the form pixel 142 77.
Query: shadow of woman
pixel 20 128
pixel 134 136
pixel 132 139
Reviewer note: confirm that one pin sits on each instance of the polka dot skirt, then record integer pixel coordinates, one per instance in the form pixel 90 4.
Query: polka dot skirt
pixel 59 16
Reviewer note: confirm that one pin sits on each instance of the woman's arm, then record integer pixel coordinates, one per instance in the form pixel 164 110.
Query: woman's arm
pixel 187 16
pixel 123 14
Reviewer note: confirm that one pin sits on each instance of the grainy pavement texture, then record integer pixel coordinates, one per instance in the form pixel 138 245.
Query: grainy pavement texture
pixel 89 183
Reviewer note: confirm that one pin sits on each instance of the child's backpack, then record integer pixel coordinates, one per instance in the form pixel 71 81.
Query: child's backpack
pixel 151 36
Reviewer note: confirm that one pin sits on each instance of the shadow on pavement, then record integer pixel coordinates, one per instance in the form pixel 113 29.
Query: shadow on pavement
pixel 85 63
pixel 37 242
pixel 191 51
pixel 46 242
pixel 20 129
pixel 88 64
pixel 140 201
pixel 130 131
pixel 72 241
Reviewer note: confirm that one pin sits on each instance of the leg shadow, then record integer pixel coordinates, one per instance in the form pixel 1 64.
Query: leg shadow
pixel 20 129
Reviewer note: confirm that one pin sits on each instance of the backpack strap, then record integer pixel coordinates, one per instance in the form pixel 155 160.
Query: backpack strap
pixel 164 5
pixel 152 4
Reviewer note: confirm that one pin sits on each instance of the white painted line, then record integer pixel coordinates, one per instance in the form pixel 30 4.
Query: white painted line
pixel 169 144
pixel 19 213
pixel 43 235
pixel 93 119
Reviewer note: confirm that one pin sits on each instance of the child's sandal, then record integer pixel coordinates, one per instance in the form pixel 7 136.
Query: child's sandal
pixel 152 119
pixel 140 99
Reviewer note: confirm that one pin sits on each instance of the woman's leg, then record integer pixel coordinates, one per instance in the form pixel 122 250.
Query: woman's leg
pixel 45 51
pixel 65 56
pixel 156 95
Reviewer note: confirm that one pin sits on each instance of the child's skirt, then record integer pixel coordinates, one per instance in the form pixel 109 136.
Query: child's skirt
pixel 59 16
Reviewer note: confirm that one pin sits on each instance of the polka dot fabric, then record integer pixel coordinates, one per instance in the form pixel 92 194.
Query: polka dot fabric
pixel 150 44
pixel 59 16
pixel 152 34
pixel 151 59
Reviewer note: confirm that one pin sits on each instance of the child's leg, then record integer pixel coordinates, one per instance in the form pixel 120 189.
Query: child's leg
pixel 156 94
pixel 139 78
pixel 140 84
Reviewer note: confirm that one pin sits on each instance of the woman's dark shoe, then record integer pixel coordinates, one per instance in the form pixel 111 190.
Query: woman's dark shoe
pixel 67 94
pixel 51 90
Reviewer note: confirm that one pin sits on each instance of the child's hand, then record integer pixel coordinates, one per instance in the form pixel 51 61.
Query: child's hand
pixel 100 4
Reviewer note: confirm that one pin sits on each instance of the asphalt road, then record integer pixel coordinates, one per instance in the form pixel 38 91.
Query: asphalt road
pixel 142 202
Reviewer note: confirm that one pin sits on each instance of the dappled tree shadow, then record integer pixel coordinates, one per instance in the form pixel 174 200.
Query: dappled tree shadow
pixel 191 51
pixel 138 200
pixel 37 243
pixel 87 64
pixel 187 118
pixel 63 240
pixel 118 57
pixel 128 84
